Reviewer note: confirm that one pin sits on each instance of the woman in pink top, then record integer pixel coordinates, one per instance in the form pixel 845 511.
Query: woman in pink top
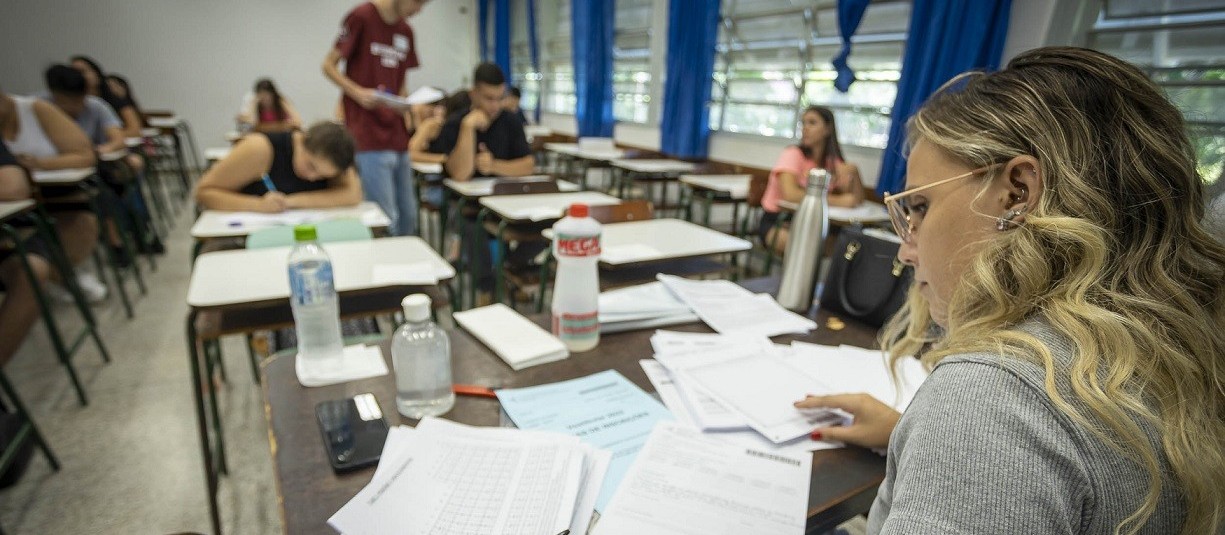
pixel 818 149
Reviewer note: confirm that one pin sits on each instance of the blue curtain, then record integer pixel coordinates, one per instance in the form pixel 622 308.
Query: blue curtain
pixel 534 50
pixel 592 26
pixel 946 38
pixel 850 13
pixel 482 19
pixel 501 36
pixel 693 32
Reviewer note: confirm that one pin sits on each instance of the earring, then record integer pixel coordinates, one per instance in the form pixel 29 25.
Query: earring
pixel 1004 222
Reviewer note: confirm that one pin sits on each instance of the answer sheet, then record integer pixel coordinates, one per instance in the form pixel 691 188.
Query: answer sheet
pixel 688 484
pixel 730 309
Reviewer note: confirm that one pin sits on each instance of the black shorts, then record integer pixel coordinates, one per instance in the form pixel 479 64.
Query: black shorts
pixel 769 220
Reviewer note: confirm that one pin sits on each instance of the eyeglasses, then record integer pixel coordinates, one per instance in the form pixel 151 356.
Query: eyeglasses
pixel 906 218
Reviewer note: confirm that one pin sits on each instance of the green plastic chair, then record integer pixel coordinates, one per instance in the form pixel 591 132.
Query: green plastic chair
pixel 335 230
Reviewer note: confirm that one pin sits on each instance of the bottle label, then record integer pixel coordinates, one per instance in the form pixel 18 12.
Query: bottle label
pixel 576 326
pixel 569 245
pixel 313 288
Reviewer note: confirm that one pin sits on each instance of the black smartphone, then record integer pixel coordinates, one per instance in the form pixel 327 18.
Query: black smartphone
pixel 353 431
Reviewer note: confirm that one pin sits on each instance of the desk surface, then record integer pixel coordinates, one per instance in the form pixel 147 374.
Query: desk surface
pixel 427 168
pixel 843 481
pixel 481 187
pixel 220 224
pixel 654 165
pixel 572 149
pixel 163 122
pixel 735 186
pixel 63 176
pixel 113 155
pixel 245 276
pixel 542 206
pixel 658 240
pixel 868 212
pixel 12 208
pixel 216 153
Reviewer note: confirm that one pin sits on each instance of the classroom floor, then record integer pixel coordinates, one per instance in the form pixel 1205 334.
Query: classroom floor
pixel 130 461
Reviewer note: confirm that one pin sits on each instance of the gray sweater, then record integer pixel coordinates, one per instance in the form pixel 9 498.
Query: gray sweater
pixel 982 449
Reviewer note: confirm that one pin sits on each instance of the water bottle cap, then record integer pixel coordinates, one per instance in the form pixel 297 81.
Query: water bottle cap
pixel 416 307
pixel 304 233
pixel 578 210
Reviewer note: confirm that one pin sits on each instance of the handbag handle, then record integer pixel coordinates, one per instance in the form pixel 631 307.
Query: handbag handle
pixel 851 250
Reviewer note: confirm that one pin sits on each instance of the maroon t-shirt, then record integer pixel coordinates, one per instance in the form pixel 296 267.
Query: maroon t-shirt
pixel 376 54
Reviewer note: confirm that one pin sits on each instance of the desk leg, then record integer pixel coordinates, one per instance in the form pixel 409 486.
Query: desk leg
pixel 197 387
pixel 499 265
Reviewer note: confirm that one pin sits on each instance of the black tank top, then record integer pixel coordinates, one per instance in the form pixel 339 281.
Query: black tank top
pixel 282 173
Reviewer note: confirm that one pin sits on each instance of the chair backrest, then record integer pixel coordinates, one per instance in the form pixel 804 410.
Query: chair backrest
pixel 335 230
pixel 596 144
pixel 757 187
pixel 635 210
pixel 521 186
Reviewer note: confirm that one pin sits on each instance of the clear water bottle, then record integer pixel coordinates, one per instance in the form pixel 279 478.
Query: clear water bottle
pixel 805 245
pixel 421 356
pixel 316 310
pixel 576 290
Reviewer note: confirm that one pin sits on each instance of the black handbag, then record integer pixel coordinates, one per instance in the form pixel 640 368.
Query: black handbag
pixel 866 281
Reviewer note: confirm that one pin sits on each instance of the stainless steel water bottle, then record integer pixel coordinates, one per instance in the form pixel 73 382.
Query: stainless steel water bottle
pixel 805 244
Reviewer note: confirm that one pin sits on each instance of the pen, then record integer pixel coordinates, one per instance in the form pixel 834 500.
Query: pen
pixel 473 390
pixel 268 183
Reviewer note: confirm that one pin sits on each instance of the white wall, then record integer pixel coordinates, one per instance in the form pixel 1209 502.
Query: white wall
pixel 198 57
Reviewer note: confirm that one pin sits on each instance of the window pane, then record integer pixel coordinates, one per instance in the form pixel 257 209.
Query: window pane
pixel 880 17
pixel 1132 8
pixel 866 129
pixel 1164 48
pixel 759 89
pixel 788 28
pixel 751 7
pixel 765 120
pixel 863 94
pixel 864 56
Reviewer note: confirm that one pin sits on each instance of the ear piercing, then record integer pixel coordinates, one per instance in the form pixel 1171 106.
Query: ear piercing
pixel 1004 222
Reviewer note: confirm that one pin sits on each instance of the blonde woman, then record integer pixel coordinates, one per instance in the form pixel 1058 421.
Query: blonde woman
pixel 1053 218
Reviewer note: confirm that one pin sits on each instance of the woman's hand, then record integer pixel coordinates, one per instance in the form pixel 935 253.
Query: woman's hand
pixel 274 202
pixel 874 421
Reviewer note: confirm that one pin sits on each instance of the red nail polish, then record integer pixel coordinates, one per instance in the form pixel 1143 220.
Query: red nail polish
pixel 815 435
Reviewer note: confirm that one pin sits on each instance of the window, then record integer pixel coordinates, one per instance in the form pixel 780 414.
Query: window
pixel 523 75
pixel 774 59
pixel 553 84
pixel 1178 43
pixel 632 60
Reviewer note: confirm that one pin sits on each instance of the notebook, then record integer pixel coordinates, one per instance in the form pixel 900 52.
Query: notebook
pixel 514 338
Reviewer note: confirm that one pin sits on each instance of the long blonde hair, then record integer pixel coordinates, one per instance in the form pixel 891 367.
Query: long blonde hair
pixel 1113 256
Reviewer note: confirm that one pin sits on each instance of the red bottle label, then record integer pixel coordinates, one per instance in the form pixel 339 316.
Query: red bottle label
pixel 575 325
pixel 578 245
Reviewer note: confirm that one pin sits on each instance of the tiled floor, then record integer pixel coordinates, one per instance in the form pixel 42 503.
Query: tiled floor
pixel 131 459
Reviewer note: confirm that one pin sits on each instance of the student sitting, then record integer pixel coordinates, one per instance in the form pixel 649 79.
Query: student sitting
pixel 818 149
pixel 95 84
pixel 265 110
pixel 1070 304
pixel 66 88
pixel 41 137
pixel 278 171
pixel 511 104
pixel 19 307
pixel 127 99
pixel 484 141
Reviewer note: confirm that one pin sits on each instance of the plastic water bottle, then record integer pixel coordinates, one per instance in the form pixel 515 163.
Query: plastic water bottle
pixel 805 245
pixel 576 290
pixel 316 311
pixel 421 356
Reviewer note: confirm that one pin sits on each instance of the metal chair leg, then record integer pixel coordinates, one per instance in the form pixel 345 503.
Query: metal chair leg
pixel 20 408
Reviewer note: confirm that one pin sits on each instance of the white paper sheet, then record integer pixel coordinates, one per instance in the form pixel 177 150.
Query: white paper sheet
pixel 729 308
pixel 688 484
pixel 852 369
pixel 763 391
pixel 357 362
pixel 514 338
pixel 414 273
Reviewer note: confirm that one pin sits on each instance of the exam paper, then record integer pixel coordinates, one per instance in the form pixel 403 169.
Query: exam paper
pixel 853 369
pixel 603 409
pixel 729 308
pixel 689 484
pixel 763 391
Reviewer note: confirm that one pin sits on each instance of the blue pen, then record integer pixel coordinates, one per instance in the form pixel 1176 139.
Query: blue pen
pixel 268 183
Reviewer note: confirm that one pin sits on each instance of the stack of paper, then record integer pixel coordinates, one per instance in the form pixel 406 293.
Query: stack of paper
pixel 729 308
pixel 511 336
pixel 447 478
pixel 640 307
pixel 356 362
pixel 604 410
pixel 687 483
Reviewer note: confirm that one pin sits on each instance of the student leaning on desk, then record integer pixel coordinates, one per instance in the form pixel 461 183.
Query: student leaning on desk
pixel 274 172
pixel 1053 218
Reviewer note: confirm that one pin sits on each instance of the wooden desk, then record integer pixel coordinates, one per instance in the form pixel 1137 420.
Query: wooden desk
pixel 245 290
pixel 219 224
pixel 844 481
pixel 717 189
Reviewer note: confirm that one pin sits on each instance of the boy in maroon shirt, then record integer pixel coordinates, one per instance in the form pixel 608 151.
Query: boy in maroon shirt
pixel 377 46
